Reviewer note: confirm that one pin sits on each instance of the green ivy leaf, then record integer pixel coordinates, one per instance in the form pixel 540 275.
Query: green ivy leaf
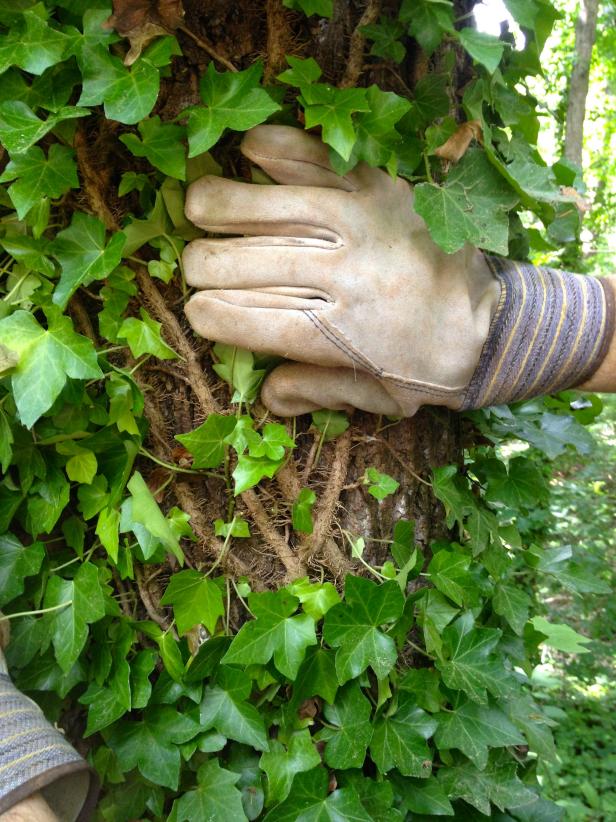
pixel 238 527
pixel 452 490
pixel 152 744
pixel 324 8
pixel 301 513
pixel 273 633
pixel 380 485
pixel 471 207
pixel 561 637
pixel 34 45
pixel 526 714
pixel 348 740
pixel 281 765
pixel 498 783
pixel 207 442
pixel 249 471
pixel 353 627
pixel 428 21
pixel 431 99
pixel 316 597
pixel 84 603
pixel 84 255
pixel 316 676
pixel 215 797
pixel 237 367
pixel 473 729
pixel 145 511
pixel 8 360
pixel 399 741
pixel 423 683
pixel 472 666
pixel 302 72
pixel 332 109
pixel 29 251
pixel 82 466
pixel 161 144
pixel 512 604
pixel 484 48
pixel 233 100
pixel 40 176
pixel 128 94
pixel 426 797
pixel 48 498
pixel 225 707
pixel 449 572
pixel 17 562
pixel 377 139
pixel 311 801
pixel 385 39
pixel 107 530
pixel 144 337
pixel 20 128
pixel 46 359
pixel 521 486
pixel 330 423
pixel 196 600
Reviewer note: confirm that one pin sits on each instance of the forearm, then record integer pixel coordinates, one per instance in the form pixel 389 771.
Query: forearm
pixel 32 809
pixel 604 378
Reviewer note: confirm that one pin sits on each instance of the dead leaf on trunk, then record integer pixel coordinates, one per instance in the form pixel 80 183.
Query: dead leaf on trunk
pixel 456 147
pixel 143 20
pixel 583 205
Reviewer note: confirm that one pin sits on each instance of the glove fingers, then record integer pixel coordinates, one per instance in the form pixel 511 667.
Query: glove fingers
pixel 263 321
pixel 261 262
pixel 293 157
pixel 229 207
pixel 293 389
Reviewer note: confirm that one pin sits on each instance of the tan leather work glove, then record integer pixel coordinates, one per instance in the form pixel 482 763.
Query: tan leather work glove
pixel 340 275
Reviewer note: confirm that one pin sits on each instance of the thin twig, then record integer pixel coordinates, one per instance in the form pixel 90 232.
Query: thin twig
pixel 215 55
pixel 148 602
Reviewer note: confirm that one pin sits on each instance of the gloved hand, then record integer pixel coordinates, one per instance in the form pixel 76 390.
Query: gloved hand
pixel 340 275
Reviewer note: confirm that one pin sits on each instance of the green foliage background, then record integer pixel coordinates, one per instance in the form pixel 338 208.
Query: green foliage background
pixel 311 709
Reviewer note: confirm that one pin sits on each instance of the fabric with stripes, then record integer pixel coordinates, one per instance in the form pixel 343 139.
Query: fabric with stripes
pixel 32 752
pixel 550 331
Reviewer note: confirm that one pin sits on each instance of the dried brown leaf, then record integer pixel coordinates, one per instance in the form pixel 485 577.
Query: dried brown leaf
pixel 143 20
pixel 582 203
pixel 457 145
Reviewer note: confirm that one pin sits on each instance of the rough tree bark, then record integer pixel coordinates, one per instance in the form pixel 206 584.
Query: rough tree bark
pixel 585 34
pixel 179 396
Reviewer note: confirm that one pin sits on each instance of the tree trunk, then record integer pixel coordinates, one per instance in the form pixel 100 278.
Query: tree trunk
pixel 585 33
pixel 178 397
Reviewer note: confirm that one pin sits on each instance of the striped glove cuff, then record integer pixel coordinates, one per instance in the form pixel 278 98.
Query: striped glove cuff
pixel 34 756
pixel 551 330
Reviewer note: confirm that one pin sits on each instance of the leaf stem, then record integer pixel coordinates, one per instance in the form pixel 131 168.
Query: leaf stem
pixel 223 550
pixel 37 612
pixel 428 170
pixel 176 468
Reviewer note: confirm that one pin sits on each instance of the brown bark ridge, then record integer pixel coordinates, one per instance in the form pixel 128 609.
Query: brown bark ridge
pixel 179 395
pixel 585 34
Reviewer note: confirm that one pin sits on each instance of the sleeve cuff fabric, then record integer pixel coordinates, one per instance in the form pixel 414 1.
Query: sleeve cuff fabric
pixel 35 756
pixel 551 331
